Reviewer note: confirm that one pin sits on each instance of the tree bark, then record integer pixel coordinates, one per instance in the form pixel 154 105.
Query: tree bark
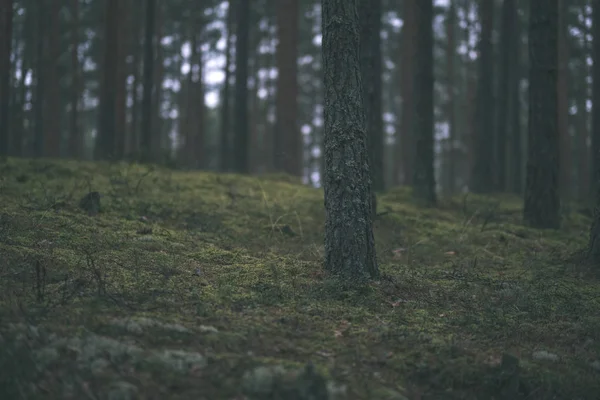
pixel 105 142
pixel 424 175
pixel 241 164
pixel 6 17
pixel 404 138
pixel 288 139
pixel 75 137
pixel 225 142
pixel 483 173
pixel 52 104
pixel 371 72
pixel 349 243
pixel 542 200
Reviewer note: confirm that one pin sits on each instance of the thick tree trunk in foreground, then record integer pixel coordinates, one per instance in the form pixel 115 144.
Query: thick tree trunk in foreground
pixel 6 17
pixel 349 242
pixel 542 200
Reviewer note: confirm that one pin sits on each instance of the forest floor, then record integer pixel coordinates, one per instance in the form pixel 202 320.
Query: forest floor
pixel 193 285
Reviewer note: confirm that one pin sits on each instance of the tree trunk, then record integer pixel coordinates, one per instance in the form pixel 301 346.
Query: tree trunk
pixel 75 137
pixel 542 200
pixel 52 103
pixel 565 181
pixel 483 173
pixel 146 143
pixel 371 72
pixel 504 98
pixel 40 81
pixel 288 139
pixel 225 142
pixel 161 142
pixel 516 138
pixel 241 164
pixel 6 17
pixel 349 243
pixel 424 175
pixel 594 243
pixel 451 87
pixel 105 142
pixel 133 145
pixel 124 32
pixel 404 139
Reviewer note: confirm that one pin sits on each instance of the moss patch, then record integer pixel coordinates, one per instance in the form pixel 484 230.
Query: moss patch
pixel 205 286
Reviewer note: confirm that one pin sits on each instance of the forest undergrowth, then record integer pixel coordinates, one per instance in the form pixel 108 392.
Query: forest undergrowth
pixel 193 285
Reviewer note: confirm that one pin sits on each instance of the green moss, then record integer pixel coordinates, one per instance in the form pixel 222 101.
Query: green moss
pixel 186 284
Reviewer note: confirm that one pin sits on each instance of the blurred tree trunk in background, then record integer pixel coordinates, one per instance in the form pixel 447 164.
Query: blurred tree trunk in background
pixel 225 135
pixel 542 198
pixel 146 143
pixel 503 115
pixel 583 116
pixel 516 136
pixel 349 243
pixel 75 133
pixel 594 242
pixel 40 80
pixel 160 140
pixel 449 176
pixel 124 33
pixel 137 50
pixel 107 123
pixel 6 18
pixel 404 139
pixel 424 173
pixel 240 145
pixel 52 103
pixel 370 12
pixel 595 134
pixel 288 143
pixel 483 152
pixel 566 168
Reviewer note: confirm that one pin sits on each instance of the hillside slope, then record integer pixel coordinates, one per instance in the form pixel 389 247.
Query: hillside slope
pixel 192 285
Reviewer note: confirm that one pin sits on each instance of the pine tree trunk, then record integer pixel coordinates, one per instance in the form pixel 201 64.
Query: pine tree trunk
pixel 146 142
pixel 241 143
pixel 404 139
pixel 225 142
pixel 349 242
pixel 424 175
pixel 6 17
pixel 75 139
pixel 483 173
pixel 542 200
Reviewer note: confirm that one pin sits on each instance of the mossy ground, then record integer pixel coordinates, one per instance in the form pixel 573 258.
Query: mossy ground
pixel 186 281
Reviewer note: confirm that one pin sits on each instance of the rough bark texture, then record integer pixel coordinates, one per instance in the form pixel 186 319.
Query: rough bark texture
pixel 371 72
pixel 542 200
pixel 349 242
pixel 483 173
pixel 240 162
pixel 288 139
pixel 424 176
pixel 6 17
